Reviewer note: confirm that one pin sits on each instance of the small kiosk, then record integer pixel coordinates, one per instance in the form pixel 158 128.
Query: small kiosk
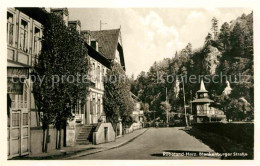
pixel 203 111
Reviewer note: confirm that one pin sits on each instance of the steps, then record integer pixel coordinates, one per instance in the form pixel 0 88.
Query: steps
pixel 85 136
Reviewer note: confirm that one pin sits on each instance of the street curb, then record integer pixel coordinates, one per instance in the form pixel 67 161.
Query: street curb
pixel 105 149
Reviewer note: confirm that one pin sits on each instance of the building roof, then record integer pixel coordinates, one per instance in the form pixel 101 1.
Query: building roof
pixel 202 100
pixel 97 56
pixel 107 41
pixel 202 87
pixel 38 14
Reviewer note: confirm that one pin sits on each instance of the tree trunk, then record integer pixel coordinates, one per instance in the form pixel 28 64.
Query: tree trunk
pixel 57 138
pixel 65 134
pixel 43 139
pixel 59 142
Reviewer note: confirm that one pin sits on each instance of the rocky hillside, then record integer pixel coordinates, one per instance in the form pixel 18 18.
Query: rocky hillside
pixel 227 53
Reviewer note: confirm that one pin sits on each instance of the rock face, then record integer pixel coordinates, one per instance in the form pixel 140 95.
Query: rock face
pixel 211 60
pixel 177 89
pixel 227 90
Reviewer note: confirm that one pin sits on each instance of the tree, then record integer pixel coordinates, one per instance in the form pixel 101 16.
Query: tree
pixel 117 100
pixel 214 27
pixel 224 35
pixel 237 41
pixel 211 58
pixel 64 64
pixel 208 40
pixel 166 107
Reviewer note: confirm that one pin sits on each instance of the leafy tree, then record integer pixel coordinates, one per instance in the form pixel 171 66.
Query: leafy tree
pixel 63 63
pixel 118 103
pixel 166 107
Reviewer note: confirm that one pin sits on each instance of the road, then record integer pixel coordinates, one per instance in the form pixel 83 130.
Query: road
pixel 153 143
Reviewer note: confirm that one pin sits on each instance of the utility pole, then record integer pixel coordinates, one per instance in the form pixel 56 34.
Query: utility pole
pixel 167 111
pixel 191 102
pixel 191 106
pixel 186 121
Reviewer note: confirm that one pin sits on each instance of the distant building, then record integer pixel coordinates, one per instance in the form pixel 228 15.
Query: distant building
pixel 137 114
pixel 204 112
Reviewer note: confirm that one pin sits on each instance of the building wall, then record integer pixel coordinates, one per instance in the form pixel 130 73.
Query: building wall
pixel 23 37
pixel 94 103
pixel 23 45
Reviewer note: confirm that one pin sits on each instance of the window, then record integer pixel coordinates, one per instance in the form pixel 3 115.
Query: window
pixel 78 107
pixel 98 73
pixel 102 79
pixel 98 106
pixel 93 106
pixel 24 36
pixel 15 119
pixel 36 41
pixel 93 71
pixel 25 95
pixel 10 29
pixel 25 119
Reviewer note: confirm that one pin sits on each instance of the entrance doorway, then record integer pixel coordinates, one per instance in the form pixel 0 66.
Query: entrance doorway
pixel 18 124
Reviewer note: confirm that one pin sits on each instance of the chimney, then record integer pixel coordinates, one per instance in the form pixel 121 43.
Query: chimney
pixel 86 36
pixel 75 25
pixel 63 13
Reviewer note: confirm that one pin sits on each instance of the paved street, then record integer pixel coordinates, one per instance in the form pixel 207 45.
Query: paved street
pixel 153 143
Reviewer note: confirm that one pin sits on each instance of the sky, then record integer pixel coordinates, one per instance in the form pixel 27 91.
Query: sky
pixel 151 34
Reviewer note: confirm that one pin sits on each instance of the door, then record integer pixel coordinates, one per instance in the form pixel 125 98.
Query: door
pixel 19 130
pixel 15 128
pixel 106 133
pixel 24 133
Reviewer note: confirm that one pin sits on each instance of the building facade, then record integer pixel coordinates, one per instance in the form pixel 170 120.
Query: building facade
pixel 24 34
pixel 25 28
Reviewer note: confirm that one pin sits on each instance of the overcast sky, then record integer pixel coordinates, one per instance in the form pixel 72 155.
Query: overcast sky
pixel 151 34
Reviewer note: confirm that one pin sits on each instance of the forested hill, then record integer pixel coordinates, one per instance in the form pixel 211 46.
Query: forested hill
pixel 226 55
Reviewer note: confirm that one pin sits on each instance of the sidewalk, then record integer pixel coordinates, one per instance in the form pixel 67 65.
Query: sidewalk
pixel 83 150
